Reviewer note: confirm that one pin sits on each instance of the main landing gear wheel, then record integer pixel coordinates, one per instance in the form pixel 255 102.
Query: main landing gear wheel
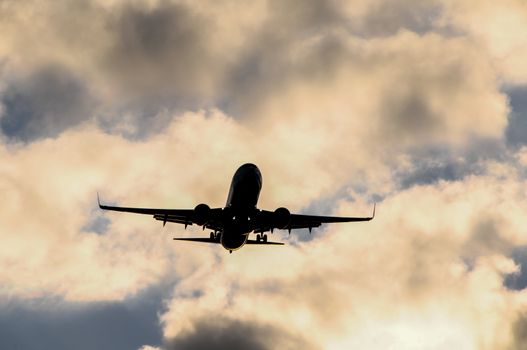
pixel 261 237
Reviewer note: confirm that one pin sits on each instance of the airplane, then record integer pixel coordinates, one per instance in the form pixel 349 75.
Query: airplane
pixel 232 225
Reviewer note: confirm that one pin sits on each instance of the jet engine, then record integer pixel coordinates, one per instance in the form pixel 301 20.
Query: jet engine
pixel 282 217
pixel 201 214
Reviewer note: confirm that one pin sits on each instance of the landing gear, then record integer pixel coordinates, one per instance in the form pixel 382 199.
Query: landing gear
pixel 214 236
pixel 261 237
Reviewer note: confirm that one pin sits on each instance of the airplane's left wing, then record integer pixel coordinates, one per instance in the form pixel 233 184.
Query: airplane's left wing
pixel 299 221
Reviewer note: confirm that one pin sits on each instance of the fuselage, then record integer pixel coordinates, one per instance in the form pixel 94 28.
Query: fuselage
pixel 241 205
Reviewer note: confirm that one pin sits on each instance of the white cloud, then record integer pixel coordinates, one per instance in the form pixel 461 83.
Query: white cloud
pixel 326 97
pixel 499 28
pixel 400 281
pixel 51 188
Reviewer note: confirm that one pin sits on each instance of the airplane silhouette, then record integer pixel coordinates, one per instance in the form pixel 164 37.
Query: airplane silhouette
pixel 232 224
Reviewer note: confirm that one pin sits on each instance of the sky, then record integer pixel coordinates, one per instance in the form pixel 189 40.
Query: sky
pixel 419 106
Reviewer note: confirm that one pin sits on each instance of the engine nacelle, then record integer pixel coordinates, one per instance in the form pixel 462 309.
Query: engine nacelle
pixel 281 218
pixel 201 214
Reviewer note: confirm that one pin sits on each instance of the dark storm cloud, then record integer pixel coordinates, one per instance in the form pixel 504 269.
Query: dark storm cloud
pixel 433 172
pixel 160 60
pixel 430 165
pixel 222 333
pixel 44 104
pixel 434 165
pixel 166 55
pixel 518 281
pixel 160 54
pixel 517 128
pixel 55 324
pixel 96 327
pixel 151 61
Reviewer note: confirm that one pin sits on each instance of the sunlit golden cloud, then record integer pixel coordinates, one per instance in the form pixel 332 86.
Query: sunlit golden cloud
pixel 155 103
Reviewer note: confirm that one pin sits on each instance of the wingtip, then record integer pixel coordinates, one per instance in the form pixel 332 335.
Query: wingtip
pixel 98 200
pixel 373 214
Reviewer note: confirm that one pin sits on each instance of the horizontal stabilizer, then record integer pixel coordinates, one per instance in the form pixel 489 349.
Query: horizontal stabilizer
pixel 202 240
pixel 208 240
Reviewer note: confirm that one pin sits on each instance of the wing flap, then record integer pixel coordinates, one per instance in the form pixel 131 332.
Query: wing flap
pixel 173 218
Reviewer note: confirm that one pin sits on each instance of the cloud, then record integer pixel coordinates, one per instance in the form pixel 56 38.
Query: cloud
pixel 165 49
pixel 384 18
pixel 222 333
pixel 44 104
pixel 380 89
pixel 403 280
pixel 51 323
pixel 424 264
pixel 155 103
pixel 154 57
pixel 519 333
pixel 517 127
pixel 45 250
pixel 132 251
pixel 518 279
pixel 137 58
pixel 497 28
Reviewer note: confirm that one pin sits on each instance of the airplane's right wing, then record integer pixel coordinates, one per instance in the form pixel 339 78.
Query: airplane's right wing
pixel 185 217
